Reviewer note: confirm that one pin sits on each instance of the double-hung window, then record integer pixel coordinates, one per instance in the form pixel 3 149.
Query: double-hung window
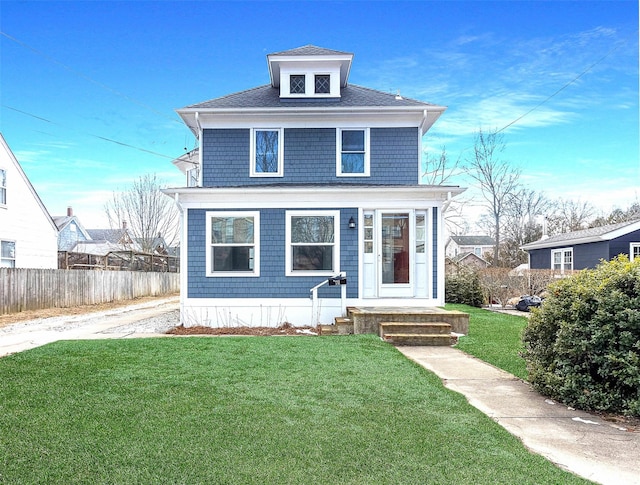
pixel 3 187
pixel 562 259
pixel 634 251
pixel 7 254
pixel 312 242
pixel 353 152
pixel 233 243
pixel 267 153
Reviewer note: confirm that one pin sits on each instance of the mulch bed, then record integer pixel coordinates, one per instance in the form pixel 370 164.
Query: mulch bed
pixel 256 331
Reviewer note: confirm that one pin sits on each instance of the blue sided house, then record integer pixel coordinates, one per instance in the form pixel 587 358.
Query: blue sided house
pixel 304 199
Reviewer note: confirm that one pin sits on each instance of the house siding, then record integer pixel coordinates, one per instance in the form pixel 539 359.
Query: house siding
pixel 434 262
pixel 24 220
pixel 310 157
pixel 67 238
pixel 540 259
pixel 589 255
pixel 586 255
pixel 620 245
pixel 272 282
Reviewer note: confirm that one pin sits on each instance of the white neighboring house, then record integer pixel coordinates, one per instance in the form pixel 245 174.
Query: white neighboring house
pixel 28 235
pixel 481 246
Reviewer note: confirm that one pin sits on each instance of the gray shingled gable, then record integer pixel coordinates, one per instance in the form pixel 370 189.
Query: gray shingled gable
pixel 473 240
pixel 268 97
pixel 310 50
pixel 585 235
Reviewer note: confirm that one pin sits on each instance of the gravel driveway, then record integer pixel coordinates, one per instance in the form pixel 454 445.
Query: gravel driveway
pixel 152 317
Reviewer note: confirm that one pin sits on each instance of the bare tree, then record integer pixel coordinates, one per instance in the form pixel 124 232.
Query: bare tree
pixel 497 179
pixel 570 215
pixel 617 215
pixel 145 211
pixel 439 170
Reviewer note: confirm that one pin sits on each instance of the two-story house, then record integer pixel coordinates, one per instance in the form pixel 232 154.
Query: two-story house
pixel 305 180
pixel 28 236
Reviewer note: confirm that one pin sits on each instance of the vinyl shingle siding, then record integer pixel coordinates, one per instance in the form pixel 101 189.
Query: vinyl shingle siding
pixel 272 282
pixel 310 157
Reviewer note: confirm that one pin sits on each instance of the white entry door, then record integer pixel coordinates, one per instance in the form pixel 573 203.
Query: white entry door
pixel 395 253
pixel 396 244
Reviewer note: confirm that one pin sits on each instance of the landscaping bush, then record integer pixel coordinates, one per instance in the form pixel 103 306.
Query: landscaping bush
pixel 463 287
pixel 582 346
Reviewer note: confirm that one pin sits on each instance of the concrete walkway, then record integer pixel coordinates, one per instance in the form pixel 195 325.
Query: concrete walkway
pixel 576 441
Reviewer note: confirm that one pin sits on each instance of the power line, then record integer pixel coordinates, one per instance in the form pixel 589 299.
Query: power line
pixel 104 138
pixel 90 79
pixel 561 89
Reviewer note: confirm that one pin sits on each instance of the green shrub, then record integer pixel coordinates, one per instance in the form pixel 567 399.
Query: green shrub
pixel 463 287
pixel 582 346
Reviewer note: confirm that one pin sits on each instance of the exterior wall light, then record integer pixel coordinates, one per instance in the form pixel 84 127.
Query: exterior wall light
pixel 352 223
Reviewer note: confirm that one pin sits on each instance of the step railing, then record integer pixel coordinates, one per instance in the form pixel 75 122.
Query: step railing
pixel 337 279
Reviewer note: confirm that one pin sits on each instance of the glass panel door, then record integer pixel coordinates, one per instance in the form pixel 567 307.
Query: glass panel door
pixel 395 244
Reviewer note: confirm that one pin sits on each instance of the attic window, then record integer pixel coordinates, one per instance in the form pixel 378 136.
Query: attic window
pixel 323 84
pixel 296 85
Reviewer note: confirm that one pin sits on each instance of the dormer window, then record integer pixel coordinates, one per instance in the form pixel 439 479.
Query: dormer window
pixel 323 84
pixel 297 84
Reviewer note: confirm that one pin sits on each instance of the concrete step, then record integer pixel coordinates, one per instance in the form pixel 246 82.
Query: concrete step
pixel 327 330
pixel 344 326
pixel 431 328
pixel 417 339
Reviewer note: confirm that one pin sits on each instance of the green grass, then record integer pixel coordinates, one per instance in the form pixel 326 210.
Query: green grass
pixel 334 410
pixel 495 338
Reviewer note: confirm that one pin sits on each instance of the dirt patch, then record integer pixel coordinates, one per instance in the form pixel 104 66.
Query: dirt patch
pixel 77 310
pixel 256 331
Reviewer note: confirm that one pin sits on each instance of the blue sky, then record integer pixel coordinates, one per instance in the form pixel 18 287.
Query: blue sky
pixel 89 88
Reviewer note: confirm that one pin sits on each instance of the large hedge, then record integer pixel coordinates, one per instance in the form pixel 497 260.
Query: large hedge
pixel 463 287
pixel 582 346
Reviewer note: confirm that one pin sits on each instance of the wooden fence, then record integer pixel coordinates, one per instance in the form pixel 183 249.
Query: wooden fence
pixel 36 289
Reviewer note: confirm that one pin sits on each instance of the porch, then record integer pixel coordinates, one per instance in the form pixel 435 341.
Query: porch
pixel 402 325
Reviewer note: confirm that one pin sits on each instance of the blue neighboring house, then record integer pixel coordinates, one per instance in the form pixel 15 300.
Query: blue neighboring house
pixel 70 231
pixel 585 249
pixel 305 181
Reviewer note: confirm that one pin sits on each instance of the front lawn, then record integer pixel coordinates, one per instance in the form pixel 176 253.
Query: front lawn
pixel 495 338
pixel 321 410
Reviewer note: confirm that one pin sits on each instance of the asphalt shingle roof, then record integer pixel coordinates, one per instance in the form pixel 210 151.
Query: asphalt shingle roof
pixel 269 97
pixel 473 240
pixel 309 50
pixel 585 235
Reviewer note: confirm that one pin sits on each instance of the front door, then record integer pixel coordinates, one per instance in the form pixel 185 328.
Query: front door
pixel 395 248
pixel 395 254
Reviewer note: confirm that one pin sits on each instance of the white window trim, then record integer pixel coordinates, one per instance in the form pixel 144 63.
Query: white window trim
pixel 4 204
pixel 631 247
pixel 252 160
pixel 313 88
pixel 8 259
pixel 336 242
pixel 562 251
pixel 256 243
pixel 367 150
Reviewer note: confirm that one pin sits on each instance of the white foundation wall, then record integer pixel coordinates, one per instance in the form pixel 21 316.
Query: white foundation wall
pixel 299 312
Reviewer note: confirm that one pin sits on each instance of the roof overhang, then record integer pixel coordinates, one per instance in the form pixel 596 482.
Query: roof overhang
pixel 292 197
pixel 311 117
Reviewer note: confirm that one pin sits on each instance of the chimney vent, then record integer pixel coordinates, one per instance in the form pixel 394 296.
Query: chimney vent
pixel 69 211
pixel 124 224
